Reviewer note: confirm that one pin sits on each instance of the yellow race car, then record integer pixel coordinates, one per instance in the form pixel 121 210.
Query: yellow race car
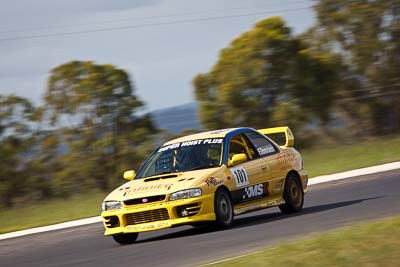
pixel 207 177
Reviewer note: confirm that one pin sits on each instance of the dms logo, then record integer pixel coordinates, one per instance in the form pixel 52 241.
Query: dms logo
pixel 254 191
pixel 250 193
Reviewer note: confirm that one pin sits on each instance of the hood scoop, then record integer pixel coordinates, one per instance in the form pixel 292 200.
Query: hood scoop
pixel 161 177
pixel 184 179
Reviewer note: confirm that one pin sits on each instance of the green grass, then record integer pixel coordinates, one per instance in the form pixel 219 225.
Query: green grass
pixel 327 160
pixel 374 244
pixel 51 212
pixel 317 161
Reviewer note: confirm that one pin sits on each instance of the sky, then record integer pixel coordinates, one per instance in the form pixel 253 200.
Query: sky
pixel 162 44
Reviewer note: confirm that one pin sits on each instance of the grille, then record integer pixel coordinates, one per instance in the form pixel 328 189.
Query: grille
pixel 144 200
pixel 146 216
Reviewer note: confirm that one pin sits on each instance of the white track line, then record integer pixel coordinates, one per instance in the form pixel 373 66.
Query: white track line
pixel 51 227
pixel 353 173
pixel 236 257
pixel 315 180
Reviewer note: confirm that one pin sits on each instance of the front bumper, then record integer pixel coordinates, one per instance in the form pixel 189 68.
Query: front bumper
pixel 158 215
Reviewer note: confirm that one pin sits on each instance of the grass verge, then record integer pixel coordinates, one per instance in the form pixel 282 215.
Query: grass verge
pixel 339 158
pixel 373 244
pixel 51 212
pixel 317 161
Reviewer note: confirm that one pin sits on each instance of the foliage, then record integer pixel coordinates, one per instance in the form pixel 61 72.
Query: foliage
pixel 367 35
pixel 103 135
pixel 267 76
pixel 17 116
pixel 83 137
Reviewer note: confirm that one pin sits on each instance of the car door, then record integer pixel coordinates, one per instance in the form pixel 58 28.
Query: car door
pixel 269 153
pixel 250 176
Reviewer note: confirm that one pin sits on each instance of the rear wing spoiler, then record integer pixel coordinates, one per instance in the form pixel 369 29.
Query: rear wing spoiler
pixel 277 130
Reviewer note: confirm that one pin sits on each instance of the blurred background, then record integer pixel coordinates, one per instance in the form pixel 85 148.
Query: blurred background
pixel 89 89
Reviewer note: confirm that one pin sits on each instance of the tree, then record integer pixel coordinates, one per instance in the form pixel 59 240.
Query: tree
pixel 367 34
pixel 267 77
pixel 17 116
pixel 95 106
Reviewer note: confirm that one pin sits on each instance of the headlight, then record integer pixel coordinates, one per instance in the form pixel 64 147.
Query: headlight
pixel 189 193
pixel 110 205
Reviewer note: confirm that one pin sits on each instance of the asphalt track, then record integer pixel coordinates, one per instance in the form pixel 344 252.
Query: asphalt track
pixel 327 206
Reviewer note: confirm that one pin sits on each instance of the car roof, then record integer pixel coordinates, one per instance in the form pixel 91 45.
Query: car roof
pixel 204 135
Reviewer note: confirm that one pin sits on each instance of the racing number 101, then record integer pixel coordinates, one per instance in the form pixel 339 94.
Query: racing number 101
pixel 241 177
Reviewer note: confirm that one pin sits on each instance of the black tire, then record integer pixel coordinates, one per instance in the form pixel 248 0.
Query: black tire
pixel 293 195
pixel 223 209
pixel 125 239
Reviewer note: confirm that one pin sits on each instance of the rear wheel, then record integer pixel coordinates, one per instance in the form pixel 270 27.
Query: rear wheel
pixel 223 209
pixel 125 239
pixel 293 195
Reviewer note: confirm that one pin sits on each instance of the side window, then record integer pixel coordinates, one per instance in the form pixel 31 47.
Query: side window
pixel 240 144
pixel 263 146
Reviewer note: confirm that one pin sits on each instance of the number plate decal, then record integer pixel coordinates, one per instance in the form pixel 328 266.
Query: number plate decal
pixel 241 177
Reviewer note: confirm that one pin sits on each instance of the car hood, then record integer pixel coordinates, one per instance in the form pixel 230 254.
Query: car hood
pixel 160 185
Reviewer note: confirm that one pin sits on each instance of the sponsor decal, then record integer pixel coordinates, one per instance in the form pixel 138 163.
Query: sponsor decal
pixel 213 182
pixel 146 227
pixel 122 188
pixel 284 159
pixel 250 193
pixel 241 177
pixel 192 143
pixel 278 185
pixel 169 147
pixel 287 157
pixel 147 188
pixel 253 191
pixel 264 150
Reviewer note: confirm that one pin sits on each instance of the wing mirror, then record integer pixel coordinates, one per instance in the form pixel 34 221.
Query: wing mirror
pixel 237 159
pixel 129 175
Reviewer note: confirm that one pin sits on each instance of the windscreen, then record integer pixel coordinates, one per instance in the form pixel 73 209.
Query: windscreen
pixel 184 156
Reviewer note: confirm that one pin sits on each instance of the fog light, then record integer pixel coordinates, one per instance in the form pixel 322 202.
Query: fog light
pixel 184 213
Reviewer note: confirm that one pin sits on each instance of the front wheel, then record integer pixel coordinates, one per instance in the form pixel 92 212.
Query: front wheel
pixel 293 195
pixel 125 239
pixel 223 209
